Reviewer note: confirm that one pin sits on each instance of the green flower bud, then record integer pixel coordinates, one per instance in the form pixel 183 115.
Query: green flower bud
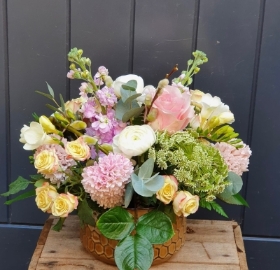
pixel 61 118
pixel 196 70
pixel 72 66
pixel 79 125
pixel 80 52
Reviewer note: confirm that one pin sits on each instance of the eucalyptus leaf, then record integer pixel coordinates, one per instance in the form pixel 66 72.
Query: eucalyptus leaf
pixel 128 194
pixel 30 193
pixel 121 109
pixel 130 85
pixel 155 226
pixel 134 252
pixel 116 223
pixel 139 187
pixel 129 100
pixel 19 184
pixel 154 183
pixel 50 90
pixel 146 169
pixel 236 183
pixel 132 113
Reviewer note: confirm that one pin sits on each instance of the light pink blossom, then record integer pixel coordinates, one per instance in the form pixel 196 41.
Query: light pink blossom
pixel 105 180
pixel 236 159
pixel 70 74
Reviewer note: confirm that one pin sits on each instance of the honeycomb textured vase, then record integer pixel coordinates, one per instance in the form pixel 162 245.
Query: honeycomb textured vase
pixel 103 248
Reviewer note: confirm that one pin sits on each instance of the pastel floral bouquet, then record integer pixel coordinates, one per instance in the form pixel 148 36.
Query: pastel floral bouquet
pixel 125 145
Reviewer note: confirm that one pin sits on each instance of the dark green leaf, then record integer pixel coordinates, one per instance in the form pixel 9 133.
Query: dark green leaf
pixel 128 194
pixel 132 113
pixel 51 107
pixel 45 95
pixel 167 209
pixel 36 176
pixel 134 252
pixel 50 90
pixel 58 226
pixel 16 186
pixel 228 198
pixel 62 103
pixel 85 213
pixel 25 195
pixel 240 199
pixel 35 116
pixel 130 85
pixel 116 223
pixel 218 209
pixel 155 226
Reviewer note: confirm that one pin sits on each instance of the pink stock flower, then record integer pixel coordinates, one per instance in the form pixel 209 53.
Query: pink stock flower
pixel 236 159
pixel 70 74
pixel 105 181
pixel 173 110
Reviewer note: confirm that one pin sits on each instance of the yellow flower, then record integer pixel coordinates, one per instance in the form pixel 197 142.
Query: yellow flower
pixel 45 196
pixel 46 162
pixel 167 192
pixel 64 204
pixel 47 125
pixel 185 203
pixel 78 149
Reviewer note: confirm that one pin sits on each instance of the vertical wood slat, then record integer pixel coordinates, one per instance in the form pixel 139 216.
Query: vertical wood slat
pixel 227 33
pixel 102 29
pixel 163 37
pixel 36 54
pixel 3 111
pixel 263 218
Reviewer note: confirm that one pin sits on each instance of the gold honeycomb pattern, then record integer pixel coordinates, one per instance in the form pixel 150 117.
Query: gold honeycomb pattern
pixel 103 248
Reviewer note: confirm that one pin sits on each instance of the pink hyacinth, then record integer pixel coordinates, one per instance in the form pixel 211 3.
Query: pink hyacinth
pixel 236 159
pixel 105 181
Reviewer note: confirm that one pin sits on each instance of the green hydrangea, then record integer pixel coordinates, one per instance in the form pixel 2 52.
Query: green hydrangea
pixel 196 164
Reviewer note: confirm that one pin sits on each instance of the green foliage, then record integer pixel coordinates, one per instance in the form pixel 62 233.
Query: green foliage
pixel 130 85
pixel 50 90
pixel 62 103
pixel 116 223
pixel 133 113
pixel 45 95
pixel 134 252
pixel 128 194
pixel 39 183
pixel 58 226
pixel 155 226
pixel 167 209
pixel 85 213
pixel 19 184
pixel 232 199
pixel 212 205
pixel 30 193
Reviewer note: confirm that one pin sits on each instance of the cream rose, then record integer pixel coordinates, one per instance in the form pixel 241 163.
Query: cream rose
pixel 167 192
pixel 45 196
pixel 78 149
pixel 74 104
pixel 64 204
pixel 33 136
pixel 185 203
pixel 46 162
pixel 124 79
pixel 134 140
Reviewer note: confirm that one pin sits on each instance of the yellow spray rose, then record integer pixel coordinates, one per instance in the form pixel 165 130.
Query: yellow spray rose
pixel 45 196
pixel 46 162
pixel 64 204
pixel 185 203
pixel 167 192
pixel 78 149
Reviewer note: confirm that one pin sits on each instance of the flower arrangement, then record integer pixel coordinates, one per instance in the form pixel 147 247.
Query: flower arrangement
pixel 122 145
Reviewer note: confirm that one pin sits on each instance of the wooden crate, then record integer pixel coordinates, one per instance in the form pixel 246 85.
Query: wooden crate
pixel 210 245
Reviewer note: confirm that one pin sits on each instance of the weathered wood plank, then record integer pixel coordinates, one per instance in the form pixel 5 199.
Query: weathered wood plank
pixel 211 245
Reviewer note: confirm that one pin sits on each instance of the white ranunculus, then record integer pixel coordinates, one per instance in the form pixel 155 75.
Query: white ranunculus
pixel 124 79
pixel 33 136
pixel 134 140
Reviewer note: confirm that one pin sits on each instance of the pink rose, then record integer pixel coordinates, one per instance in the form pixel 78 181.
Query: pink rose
pixel 185 203
pixel 173 110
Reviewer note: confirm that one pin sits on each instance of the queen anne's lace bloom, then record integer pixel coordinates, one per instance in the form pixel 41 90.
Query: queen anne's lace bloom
pixel 105 181
pixel 236 159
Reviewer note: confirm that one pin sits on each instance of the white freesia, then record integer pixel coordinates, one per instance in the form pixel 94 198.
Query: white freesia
pixel 134 140
pixel 212 107
pixel 124 79
pixel 33 136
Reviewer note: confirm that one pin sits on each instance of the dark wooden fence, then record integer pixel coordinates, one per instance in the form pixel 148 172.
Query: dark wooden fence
pixel 146 37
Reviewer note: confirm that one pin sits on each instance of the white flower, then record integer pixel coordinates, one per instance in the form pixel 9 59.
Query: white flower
pixel 33 136
pixel 147 95
pixel 134 140
pixel 124 79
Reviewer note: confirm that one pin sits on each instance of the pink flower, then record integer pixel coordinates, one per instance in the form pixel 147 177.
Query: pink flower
pixel 173 110
pixel 236 159
pixel 105 181
pixel 103 71
pixel 70 74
